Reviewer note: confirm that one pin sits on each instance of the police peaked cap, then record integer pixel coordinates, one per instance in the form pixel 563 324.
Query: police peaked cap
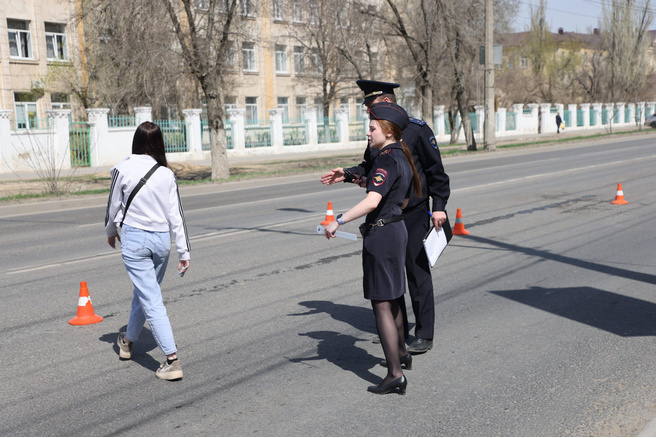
pixel 390 112
pixel 373 89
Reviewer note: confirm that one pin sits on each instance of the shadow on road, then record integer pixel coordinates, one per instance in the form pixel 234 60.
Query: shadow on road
pixel 609 311
pixel 361 318
pixel 341 349
pixel 592 266
pixel 145 343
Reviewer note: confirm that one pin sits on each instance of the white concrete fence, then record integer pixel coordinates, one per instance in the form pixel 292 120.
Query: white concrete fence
pixel 23 150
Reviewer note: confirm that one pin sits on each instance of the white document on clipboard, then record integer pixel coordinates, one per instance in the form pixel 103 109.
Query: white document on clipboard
pixel 436 240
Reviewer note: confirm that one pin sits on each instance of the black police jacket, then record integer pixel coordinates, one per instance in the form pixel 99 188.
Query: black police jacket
pixel 423 146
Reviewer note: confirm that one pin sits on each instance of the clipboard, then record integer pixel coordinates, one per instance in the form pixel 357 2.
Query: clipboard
pixel 436 240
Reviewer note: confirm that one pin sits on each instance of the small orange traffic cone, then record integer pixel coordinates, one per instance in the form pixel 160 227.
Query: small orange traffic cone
pixel 85 314
pixel 619 198
pixel 459 227
pixel 330 216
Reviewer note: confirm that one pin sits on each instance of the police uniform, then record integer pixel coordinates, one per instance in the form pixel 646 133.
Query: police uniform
pixel 422 144
pixel 382 260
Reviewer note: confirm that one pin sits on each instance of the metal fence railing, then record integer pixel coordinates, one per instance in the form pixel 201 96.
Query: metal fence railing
pixel 79 134
pixel 174 133
pixel 205 134
pixel 327 131
pixel 257 136
pixel 356 130
pixel 121 121
pixel 294 133
pixel 511 121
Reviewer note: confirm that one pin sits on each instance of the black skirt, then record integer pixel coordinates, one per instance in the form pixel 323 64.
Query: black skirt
pixel 383 262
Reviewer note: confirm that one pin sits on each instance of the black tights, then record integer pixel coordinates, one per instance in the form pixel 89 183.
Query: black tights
pixel 389 322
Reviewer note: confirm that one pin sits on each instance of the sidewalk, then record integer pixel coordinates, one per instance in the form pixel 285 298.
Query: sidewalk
pixel 258 159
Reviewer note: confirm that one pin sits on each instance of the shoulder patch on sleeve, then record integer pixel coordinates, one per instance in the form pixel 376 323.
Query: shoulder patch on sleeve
pixel 380 175
pixel 433 142
pixel 416 121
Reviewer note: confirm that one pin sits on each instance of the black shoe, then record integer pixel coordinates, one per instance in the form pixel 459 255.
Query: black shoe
pixel 420 346
pixel 405 360
pixel 399 384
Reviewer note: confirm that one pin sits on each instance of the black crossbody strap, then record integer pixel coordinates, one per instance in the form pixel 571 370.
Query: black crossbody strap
pixel 138 187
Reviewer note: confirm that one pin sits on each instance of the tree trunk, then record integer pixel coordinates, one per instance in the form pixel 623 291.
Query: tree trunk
pixel 220 169
pixel 455 129
pixel 427 103
pixel 466 122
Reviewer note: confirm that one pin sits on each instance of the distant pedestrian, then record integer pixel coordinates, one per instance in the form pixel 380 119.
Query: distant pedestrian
pixel 559 123
pixel 145 239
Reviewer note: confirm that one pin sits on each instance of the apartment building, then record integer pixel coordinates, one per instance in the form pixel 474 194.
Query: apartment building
pixel 275 71
pixel 34 35
pixel 272 69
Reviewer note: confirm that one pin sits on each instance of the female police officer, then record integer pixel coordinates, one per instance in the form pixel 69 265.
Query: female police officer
pixel 385 236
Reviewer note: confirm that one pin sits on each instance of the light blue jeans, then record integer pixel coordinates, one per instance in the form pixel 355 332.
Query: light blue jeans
pixel 146 254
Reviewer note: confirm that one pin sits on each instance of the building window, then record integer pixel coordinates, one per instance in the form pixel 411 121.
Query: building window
pixel 524 62
pixel 247 8
pixel 251 110
pixel 318 102
pixel 20 44
pixel 203 4
pixel 281 59
pixel 248 57
pixel 299 60
pixel 301 107
pixel 25 107
pixel 314 12
pixel 230 102
pixel 222 5
pixel 277 10
pixel 297 12
pixel 316 62
pixel 56 42
pixel 283 104
pixel 230 55
pixel 344 104
pixel 60 101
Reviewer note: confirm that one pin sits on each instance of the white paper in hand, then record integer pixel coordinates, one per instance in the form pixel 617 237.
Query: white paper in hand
pixel 434 243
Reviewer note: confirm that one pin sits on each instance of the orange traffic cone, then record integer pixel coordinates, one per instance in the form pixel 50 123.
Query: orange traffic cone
pixel 619 198
pixel 330 216
pixel 459 227
pixel 85 314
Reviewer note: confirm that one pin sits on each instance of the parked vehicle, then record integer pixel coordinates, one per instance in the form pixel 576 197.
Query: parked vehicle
pixel 651 120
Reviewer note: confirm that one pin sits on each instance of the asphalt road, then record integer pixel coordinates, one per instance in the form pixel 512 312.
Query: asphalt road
pixel 545 312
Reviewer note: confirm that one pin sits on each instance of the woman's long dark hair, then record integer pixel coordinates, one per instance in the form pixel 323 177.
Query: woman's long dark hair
pixel 148 140
pixel 387 126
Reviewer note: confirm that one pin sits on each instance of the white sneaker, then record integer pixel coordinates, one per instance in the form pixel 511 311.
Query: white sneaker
pixel 170 372
pixel 124 350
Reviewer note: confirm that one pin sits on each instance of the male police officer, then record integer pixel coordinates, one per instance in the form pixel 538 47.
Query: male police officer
pixel 434 184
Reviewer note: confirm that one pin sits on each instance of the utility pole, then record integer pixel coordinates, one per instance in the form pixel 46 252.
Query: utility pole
pixel 490 122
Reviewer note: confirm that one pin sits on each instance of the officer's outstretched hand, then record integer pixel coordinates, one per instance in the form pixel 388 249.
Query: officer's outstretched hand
pixel 332 177
pixel 330 229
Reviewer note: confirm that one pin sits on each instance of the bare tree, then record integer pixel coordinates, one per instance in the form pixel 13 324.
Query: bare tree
pixel 590 78
pixel 204 44
pixel 325 33
pixel 130 61
pixel 418 31
pixel 626 25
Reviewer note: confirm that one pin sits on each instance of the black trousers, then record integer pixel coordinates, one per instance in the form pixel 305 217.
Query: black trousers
pixel 420 281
